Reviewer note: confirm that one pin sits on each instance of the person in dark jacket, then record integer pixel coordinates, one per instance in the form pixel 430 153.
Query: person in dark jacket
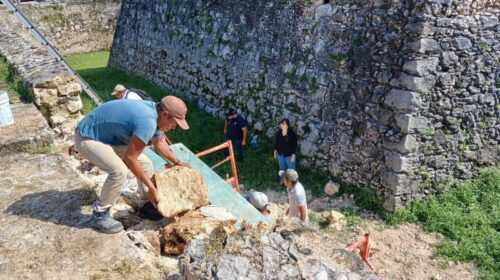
pixel 235 129
pixel 285 146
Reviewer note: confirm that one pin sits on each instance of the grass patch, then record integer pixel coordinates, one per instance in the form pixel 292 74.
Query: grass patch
pixel 14 83
pixel 258 171
pixel 45 149
pixel 468 217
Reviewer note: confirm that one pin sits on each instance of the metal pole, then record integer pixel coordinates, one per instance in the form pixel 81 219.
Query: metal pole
pixel 52 50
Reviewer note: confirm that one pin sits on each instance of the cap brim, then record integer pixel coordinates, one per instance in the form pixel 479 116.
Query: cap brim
pixel 114 93
pixel 182 123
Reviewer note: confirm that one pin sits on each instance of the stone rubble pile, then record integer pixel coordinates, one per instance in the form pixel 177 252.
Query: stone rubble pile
pixel 252 254
pixel 59 99
pixel 204 223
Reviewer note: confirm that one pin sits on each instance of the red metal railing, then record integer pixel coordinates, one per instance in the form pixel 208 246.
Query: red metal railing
pixel 227 145
pixel 233 180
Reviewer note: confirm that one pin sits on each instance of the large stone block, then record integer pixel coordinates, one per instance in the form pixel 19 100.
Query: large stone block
pixel 405 145
pixel 403 99
pixel 425 45
pixel 396 162
pixel 180 189
pixel 407 122
pixel 70 89
pixel 74 106
pixel 421 67
pixel 45 96
pixel 414 83
pixel 397 183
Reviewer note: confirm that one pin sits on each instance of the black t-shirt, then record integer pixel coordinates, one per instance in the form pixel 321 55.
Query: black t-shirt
pixel 234 128
pixel 286 145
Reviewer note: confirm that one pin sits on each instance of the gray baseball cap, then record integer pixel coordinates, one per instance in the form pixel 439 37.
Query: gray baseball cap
pixel 291 175
pixel 259 200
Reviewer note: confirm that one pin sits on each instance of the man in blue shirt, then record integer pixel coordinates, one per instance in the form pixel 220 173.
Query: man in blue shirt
pixel 235 129
pixel 113 137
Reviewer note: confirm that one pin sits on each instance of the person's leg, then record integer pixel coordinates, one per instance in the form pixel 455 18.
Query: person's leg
pixel 289 163
pixel 146 165
pixel 281 163
pixel 104 157
pixel 239 149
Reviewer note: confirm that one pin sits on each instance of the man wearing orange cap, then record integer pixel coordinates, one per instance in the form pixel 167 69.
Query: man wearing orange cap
pixel 113 137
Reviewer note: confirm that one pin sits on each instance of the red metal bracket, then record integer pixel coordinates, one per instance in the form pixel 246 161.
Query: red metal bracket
pixel 227 145
pixel 364 250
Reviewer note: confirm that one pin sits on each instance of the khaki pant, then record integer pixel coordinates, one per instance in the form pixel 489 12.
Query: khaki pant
pixel 110 160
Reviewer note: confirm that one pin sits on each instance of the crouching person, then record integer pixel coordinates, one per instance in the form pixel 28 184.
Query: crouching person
pixel 296 196
pixel 113 137
pixel 260 201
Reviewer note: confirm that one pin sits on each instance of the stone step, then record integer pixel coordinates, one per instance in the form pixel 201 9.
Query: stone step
pixel 29 131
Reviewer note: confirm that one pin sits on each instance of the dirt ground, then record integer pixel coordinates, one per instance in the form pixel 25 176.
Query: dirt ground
pixel 400 252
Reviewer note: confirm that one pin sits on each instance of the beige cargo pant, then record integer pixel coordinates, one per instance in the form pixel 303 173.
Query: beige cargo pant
pixel 110 160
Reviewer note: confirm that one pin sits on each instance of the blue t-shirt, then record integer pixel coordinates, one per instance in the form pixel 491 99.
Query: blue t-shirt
pixel 234 128
pixel 115 122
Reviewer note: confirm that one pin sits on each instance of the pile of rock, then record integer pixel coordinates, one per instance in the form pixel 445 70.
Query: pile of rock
pixel 59 99
pixel 251 254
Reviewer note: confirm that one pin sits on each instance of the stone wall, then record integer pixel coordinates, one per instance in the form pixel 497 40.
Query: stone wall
pixel 397 95
pixel 75 26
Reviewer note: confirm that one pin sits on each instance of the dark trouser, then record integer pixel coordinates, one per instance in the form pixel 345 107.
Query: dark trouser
pixel 237 148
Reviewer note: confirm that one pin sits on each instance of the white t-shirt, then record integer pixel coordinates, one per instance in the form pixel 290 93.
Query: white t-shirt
pixel 296 198
pixel 131 95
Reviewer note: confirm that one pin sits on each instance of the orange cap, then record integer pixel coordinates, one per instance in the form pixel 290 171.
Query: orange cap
pixel 177 108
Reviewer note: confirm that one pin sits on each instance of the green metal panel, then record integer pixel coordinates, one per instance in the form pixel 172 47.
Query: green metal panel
pixel 220 193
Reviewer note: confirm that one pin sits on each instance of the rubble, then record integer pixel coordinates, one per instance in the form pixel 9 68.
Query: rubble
pixel 206 222
pixel 272 255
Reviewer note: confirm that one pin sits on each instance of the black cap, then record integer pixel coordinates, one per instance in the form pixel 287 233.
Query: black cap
pixel 230 112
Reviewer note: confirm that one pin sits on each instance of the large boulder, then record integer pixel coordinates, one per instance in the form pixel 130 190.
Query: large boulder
pixel 206 222
pixel 180 189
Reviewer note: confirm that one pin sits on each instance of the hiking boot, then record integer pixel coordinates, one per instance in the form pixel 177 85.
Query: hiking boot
pixel 103 222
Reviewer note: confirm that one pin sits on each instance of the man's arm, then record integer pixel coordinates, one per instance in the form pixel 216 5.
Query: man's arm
pixel 302 212
pixel 135 148
pixel 162 148
pixel 245 132
pixel 225 127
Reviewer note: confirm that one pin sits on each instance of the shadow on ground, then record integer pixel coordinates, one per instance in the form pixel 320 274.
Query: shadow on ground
pixel 58 207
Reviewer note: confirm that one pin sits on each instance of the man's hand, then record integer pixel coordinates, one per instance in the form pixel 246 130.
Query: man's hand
pixel 275 154
pixel 293 158
pixel 243 142
pixel 153 196
pixel 162 148
pixel 185 164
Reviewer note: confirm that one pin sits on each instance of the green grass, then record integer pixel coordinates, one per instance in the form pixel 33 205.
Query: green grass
pixel 14 83
pixel 468 217
pixel 259 170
